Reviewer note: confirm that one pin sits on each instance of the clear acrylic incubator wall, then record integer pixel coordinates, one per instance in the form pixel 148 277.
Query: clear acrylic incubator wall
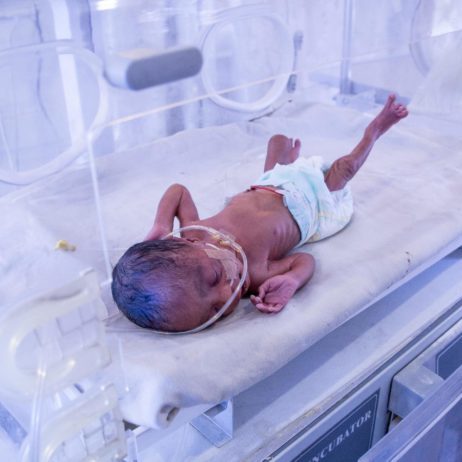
pixel 84 157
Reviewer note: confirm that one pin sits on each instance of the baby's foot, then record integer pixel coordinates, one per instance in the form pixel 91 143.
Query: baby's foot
pixel 294 150
pixel 390 114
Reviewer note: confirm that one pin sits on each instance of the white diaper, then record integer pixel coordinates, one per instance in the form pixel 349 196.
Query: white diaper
pixel 318 212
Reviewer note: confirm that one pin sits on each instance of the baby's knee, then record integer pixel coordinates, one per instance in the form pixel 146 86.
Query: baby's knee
pixel 278 141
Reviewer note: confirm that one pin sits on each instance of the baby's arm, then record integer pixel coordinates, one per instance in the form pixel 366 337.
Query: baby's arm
pixel 176 202
pixel 292 272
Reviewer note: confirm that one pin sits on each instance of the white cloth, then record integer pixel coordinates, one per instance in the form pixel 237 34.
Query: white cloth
pixel 407 213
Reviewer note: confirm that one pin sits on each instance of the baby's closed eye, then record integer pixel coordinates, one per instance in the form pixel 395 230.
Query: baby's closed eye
pixel 217 278
pixel 217 274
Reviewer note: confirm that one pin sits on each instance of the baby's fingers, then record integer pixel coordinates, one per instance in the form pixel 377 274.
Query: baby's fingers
pixel 255 299
pixel 262 290
pixel 269 308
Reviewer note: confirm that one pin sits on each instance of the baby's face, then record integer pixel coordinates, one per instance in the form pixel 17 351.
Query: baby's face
pixel 212 283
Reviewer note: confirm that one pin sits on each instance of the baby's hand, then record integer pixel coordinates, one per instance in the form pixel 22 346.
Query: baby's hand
pixel 274 293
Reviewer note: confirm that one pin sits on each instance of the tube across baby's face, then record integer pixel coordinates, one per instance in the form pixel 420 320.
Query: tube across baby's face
pixel 210 285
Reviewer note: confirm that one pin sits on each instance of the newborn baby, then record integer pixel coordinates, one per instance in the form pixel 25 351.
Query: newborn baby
pixel 176 284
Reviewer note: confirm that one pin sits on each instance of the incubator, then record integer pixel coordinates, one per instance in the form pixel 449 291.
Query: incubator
pixel 104 104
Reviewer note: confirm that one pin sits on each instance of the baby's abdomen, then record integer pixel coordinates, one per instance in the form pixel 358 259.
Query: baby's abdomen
pixel 263 221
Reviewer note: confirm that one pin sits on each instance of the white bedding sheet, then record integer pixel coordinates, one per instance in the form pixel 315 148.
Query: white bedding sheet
pixel 408 212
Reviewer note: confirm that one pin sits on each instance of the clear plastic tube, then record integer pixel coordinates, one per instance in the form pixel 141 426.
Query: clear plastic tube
pixel 226 240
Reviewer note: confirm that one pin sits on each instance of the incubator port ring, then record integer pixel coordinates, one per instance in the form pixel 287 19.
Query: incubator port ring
pixel 280 80
pixel 78 147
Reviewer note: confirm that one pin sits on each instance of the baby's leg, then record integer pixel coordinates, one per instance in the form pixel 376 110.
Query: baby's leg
pixel 345 168
pixel 281 150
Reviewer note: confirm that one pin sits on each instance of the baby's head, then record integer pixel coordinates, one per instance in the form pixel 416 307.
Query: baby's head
pixel 171 284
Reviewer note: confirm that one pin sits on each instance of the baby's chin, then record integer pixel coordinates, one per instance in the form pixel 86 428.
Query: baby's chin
pixel 232 307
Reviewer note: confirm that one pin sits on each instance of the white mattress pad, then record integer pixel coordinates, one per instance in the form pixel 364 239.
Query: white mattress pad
pixel 408 212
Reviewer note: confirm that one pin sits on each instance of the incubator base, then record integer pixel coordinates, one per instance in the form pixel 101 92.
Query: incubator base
pixel 334 398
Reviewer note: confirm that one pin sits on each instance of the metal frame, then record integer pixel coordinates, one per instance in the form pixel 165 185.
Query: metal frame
pixel 216 424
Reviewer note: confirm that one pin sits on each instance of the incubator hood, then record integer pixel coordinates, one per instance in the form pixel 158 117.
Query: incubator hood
pixel 104 104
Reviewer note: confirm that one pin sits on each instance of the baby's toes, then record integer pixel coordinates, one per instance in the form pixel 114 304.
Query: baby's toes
pixel 402 112
pixel 390 101
pixel 295 151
